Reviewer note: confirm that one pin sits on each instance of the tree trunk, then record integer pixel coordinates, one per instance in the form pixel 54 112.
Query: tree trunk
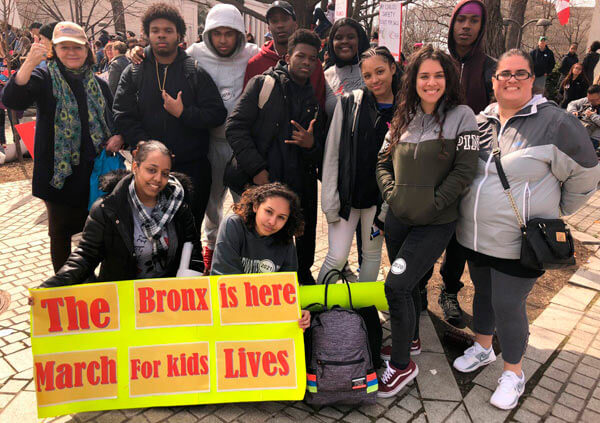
pixel 118 15
pixel 494 45
pixel 517 13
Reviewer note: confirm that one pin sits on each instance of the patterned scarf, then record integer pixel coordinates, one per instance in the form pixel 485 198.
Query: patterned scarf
pixel 167 204
pixel 67 123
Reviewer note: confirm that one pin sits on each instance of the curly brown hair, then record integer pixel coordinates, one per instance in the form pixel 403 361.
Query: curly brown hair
pixel 257 195
pixel 163 11
pixel 408 100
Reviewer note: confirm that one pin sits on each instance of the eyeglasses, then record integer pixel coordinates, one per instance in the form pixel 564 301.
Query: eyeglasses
pixel 519 75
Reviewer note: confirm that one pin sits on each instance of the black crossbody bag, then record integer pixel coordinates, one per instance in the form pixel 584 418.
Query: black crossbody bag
pixel 545 243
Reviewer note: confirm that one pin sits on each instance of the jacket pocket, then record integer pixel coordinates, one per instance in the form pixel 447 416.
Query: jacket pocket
pixel 414 203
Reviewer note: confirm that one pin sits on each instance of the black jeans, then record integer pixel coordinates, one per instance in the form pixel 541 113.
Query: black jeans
pixel 63 222
pixel 412 251
pixel 200 174
pixel 452 268
pixel 305 244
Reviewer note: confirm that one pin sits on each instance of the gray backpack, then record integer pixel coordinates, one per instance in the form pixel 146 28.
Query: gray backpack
pixel 339 365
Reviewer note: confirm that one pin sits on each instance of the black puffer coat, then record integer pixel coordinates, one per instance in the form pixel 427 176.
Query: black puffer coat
pixel 108 236
pixel 257 136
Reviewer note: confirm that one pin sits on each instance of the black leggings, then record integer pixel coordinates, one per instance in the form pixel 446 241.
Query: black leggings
pixel 63 222
pixel 412 251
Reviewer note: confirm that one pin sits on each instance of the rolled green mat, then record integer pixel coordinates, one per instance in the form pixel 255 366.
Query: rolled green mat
pixel 364 294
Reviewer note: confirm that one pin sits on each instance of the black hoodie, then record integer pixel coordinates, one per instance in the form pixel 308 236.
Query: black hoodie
pixel 476 68
pixel 140 115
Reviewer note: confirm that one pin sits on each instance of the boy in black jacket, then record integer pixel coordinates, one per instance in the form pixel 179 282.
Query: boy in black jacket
pixel 169 98
pixel 282 141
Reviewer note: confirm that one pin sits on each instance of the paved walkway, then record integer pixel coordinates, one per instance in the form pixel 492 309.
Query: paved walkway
pixel 563 357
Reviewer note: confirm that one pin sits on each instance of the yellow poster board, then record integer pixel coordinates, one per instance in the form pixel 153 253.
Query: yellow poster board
pixel 166 342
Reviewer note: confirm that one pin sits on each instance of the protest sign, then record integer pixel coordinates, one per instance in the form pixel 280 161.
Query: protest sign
pixel 166 342
pixel 390 27
pixel 341 9
pixel 27 133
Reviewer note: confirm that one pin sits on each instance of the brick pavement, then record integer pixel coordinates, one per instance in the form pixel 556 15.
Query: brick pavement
pixel 563 356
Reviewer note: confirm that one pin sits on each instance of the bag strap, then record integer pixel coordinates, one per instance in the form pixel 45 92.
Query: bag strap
pixel 265 91
pixel 505 184
pixel 336 273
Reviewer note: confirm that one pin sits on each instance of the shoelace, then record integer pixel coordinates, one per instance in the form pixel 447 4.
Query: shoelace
pixel 388 373
pixel 508 383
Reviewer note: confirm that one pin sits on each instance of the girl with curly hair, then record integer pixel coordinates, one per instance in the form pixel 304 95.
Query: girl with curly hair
pixel 258 238
pixel 428 158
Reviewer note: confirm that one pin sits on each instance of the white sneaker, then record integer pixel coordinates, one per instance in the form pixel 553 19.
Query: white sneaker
pixel 510 388
pixel 473 358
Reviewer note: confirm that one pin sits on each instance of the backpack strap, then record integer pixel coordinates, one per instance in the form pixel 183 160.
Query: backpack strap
pixel 190 68
pixel 265 91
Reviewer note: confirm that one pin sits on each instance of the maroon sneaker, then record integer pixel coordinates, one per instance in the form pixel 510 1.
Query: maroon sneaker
pixel 393 379
pixel 386 350
pixel 415 347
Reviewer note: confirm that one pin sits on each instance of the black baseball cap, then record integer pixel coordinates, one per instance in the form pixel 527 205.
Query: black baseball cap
pixel 284 6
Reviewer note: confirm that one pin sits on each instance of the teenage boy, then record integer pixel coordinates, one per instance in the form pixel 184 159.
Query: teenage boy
pixel 281 20
pixel 587 110
pixel 282 141
pixel 465 43
pixel 543 63
pixel 568 61
pixel 169 98
pixel 224 54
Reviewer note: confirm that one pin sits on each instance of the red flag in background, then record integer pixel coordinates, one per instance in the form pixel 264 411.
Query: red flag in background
pixel 27 132
pixel 563 11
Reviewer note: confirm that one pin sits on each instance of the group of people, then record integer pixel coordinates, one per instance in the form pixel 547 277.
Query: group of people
pixel 403 155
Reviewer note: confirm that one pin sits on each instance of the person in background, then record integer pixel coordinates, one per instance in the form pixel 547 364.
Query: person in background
pixel 117 65
pixel 555 181
pixel 568 61
pixel 590 60
pixel 34 29
pixel 281 19
pixel 136 231
pixel 250 38
pixel 428 158
pixel 104 38
pixel 465 43
pixel 283 140
pixel 543 64
pixel 347 41
pixel 375 39
pixel 169 98
pixel 74 123
pixel 46 32
pixel 108 56
pixel 574 86
pixel 320 23
pixel 587 110
pixel 259 236
pixel 99 51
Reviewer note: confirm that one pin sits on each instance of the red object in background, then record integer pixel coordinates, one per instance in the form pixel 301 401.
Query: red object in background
pixel 27 132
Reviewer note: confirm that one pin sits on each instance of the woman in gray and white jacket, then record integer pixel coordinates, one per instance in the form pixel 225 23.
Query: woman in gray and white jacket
pixel 552 169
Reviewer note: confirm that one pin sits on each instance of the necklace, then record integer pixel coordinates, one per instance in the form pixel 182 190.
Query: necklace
pixel 161 88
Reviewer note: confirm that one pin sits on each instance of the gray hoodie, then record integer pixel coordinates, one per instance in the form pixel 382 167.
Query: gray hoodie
pixel 227 72
pixel 240 250
pixel 550 165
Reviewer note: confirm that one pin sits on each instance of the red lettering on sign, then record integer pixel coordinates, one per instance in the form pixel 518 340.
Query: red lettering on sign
pixel 191 299
pixel 78 313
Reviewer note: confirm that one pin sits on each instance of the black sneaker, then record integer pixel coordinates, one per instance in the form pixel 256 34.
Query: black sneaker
pixel 452 312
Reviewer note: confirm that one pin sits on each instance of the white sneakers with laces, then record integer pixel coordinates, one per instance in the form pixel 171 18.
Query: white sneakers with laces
pixel 473 358
pixel 510 388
